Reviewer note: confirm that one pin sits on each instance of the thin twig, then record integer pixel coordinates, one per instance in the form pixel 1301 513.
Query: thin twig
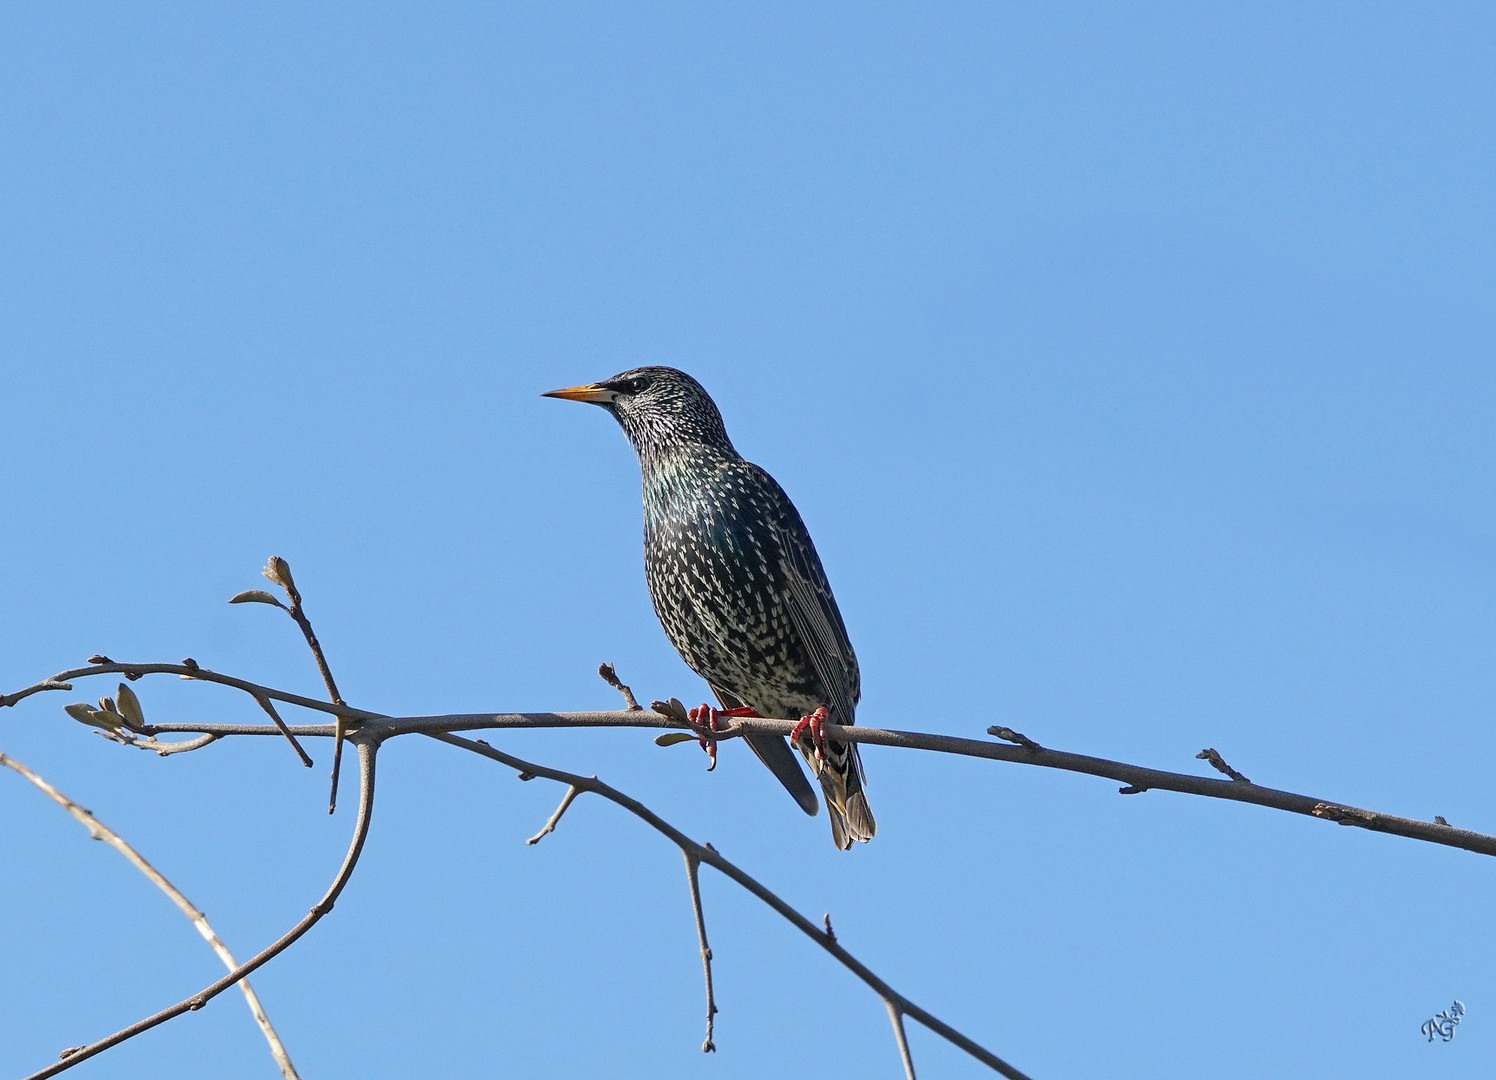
pixel 166 749
pixel 280 725
pixel 897 1018
pixel 550 823
pixel 707 854
pixel 692 865
pixel 367 750
pixel 611 678
pixel 1007 734
pixel 279 571
pixel 1218 763
pixel 149 742
pixel 99 831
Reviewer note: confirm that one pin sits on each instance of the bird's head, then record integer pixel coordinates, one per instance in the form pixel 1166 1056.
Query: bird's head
pixel 658 408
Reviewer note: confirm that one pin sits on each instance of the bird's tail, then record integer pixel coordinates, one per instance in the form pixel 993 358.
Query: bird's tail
pixel 841 777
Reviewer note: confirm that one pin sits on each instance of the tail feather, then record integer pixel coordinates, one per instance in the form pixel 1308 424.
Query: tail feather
pixel 775 752
pixel 840 774
pixel 860 821
pixel 839 835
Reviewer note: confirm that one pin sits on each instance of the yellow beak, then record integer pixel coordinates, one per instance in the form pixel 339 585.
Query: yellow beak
pixel 597 395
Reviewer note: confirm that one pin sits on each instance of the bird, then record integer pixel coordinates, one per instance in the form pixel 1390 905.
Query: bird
pixel 739 589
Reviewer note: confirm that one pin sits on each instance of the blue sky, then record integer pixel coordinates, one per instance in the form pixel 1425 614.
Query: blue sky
pixel 1131 367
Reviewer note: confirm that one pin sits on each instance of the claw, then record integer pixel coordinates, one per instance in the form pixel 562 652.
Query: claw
pixel 704 719
pixel 707 721
pixel 816 722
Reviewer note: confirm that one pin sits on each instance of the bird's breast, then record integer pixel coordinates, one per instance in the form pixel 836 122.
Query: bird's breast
pixel 715 578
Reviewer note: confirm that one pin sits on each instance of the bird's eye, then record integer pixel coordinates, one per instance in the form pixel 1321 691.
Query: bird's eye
pixel 635 386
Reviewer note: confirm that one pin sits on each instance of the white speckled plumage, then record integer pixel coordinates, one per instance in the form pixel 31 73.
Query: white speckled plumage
pixel 737 583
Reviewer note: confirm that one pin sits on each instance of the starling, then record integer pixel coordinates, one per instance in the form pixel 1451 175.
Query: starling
pixel 739 588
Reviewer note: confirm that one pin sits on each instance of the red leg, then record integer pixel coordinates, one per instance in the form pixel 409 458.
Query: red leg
pixel 705 720
pixel 816 722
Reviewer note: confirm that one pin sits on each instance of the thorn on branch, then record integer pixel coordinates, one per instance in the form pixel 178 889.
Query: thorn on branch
pixel 1439 820
pixel 523 775
pixel 610 676
pixel 1218 763
pixel 99 658
pixel 1009 735
pixel 830 933
pixel 1131 789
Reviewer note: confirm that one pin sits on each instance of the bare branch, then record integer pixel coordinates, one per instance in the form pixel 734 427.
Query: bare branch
pixel 1137 778
pixel 376 728
pixel 99 831
pixel 367 750
pixel 133 735
pixel 550 824
pixel 707 854
pixel 166 749
pixel 187 669
pixel 897 1019
pixel 692 866
pixel 54 683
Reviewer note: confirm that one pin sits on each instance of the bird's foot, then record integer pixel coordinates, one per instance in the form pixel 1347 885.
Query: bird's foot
pixel 707 722
pixel 816 723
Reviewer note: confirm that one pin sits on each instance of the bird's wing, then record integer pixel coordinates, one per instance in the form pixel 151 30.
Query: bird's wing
pixel 813 609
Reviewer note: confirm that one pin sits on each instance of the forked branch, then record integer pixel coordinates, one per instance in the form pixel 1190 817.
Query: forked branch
pixel 705 853
pixel 367 750
pixel 374 728
pixel 99 831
